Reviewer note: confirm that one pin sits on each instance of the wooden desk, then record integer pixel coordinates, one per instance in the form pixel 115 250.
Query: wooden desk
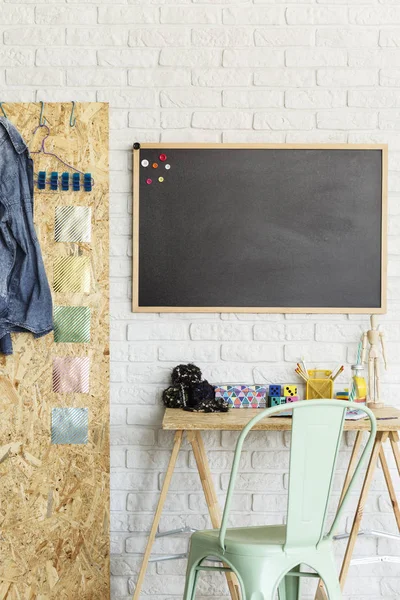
pixel 193 424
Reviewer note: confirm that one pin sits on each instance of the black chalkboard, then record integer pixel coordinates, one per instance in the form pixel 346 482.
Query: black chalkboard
pixel 259 229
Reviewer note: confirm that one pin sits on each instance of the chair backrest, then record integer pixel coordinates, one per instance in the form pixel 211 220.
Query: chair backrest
pixel 317 428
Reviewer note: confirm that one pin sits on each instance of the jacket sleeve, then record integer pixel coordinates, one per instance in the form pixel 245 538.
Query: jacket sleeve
pixel 7 252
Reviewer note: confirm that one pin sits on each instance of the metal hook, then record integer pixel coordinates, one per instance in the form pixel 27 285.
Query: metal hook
pixel 2 110
pixel 72 120
pixel 41 118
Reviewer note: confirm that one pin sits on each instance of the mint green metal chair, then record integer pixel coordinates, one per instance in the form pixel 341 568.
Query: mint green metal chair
pixel 267 560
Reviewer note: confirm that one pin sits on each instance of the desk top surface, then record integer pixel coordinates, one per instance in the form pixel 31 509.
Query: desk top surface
pixel 237 418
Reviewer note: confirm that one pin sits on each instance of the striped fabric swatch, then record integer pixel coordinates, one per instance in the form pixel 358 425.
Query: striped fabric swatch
pixel 72 224
pixel 72 324
pixel 69 425
pixel 71 375
pixel 71 274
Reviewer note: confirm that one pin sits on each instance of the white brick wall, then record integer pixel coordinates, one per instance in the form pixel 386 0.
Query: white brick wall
pixel 209 70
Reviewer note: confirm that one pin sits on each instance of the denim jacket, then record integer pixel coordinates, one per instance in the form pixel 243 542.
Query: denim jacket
pixel 25 298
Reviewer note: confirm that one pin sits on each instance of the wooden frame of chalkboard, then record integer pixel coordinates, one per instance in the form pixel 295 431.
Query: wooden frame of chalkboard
pixel 378 280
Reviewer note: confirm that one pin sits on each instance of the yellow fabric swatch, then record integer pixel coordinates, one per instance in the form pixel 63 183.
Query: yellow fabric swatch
pixel 71 274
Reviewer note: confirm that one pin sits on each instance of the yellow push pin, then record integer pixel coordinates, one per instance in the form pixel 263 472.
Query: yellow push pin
pixel 161 179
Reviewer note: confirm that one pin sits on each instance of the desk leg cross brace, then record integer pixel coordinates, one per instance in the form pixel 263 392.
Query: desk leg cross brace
pixel 376 454
pixel 195 439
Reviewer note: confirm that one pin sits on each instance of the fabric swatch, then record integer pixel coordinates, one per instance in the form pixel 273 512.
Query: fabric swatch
pixel 72 224
pixel 72 324
pixel 71 375
pixel 71 274
pixel 69 425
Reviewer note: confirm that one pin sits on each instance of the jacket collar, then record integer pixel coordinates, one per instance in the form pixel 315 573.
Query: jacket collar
pixel 14 135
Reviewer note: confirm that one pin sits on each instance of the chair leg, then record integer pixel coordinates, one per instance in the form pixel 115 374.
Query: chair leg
pixel 254 590
pixel 196 578
pixel 331 581
pixel 191 581
pixel 282 591
pixel 289 587
pixel 195 558
pixel 259 580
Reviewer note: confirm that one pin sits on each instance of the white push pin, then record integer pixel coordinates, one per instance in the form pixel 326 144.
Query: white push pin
pixel 167 167
pixel 145 163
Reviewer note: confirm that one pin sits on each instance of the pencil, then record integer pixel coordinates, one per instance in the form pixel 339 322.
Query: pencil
pixel 302 370
pixel 303 362
pixel 301 374
pixel 338 373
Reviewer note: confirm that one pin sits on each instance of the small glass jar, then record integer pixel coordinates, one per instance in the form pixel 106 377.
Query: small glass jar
pixel 359 385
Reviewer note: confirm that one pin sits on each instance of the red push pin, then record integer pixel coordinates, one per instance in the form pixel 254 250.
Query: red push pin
pixel 163 157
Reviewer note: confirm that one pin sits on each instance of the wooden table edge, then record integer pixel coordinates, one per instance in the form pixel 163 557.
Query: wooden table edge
pixel 176 419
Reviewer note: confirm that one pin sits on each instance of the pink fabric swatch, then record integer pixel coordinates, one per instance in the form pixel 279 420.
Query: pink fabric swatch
pixel 71 375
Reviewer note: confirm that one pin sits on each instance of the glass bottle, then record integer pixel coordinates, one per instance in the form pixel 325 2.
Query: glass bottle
pixel 359 385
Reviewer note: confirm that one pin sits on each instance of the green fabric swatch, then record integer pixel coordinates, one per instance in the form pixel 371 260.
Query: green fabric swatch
pixel 72 324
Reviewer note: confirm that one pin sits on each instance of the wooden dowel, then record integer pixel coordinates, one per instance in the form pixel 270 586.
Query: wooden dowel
pixel 394 441
pixel 157 515
pixel 360 508
pixel 390 486
pixel 203 468
pixel 352 465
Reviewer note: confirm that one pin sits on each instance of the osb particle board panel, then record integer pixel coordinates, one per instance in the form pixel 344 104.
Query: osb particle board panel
pixel 54 500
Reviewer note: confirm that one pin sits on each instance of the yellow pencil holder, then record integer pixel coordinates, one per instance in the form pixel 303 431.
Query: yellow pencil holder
pixel 319 385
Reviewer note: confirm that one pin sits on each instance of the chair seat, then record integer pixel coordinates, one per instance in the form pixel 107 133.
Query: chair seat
pixel 260 541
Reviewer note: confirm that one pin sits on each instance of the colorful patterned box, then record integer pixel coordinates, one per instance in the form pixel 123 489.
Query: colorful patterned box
pixel 242 396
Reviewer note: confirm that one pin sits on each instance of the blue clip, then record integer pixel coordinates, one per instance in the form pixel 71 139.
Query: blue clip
pixel 76 185
pixel 87 182
pixel 54 180
pixel 65 182
pixel 41 182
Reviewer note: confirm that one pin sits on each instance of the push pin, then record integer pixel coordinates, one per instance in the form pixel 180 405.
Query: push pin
pixel 41 182
pixel 87 182
pixel 65 182
pixel 54 180
pixel 76 183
